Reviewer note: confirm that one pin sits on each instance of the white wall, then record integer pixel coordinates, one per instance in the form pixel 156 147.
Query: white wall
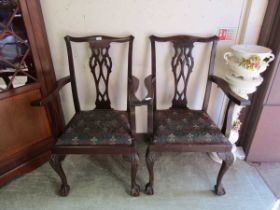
pixel 143 18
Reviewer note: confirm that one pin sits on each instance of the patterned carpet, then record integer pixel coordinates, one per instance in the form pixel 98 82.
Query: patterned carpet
pixel 183 181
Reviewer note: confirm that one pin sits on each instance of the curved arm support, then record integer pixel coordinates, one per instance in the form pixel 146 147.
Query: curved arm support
pixel 149 84
pixel 133 101
pixel 221 83
pixel 227 124
pixel 149 101
pixel 133 85
pixel 59 84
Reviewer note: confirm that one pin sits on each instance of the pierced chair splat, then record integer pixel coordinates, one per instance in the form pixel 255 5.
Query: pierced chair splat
pixel 102 130
pixel 180 128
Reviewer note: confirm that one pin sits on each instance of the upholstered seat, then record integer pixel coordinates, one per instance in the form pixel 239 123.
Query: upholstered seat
pixel 97 127
pixel 187 127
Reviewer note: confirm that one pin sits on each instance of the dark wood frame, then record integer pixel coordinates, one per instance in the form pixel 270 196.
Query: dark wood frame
pixel 35 27
pixel 224 150
pixel 32 157
pixel 97 43
pixel 268 37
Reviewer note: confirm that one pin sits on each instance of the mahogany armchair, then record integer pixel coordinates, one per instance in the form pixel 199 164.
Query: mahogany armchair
pixel 180 128
pixel 102 130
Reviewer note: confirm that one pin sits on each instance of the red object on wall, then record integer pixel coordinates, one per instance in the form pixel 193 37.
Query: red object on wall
pixel 222 33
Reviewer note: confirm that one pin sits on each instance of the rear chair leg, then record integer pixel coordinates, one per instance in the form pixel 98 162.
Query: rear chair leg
pixel 228 159
pixel 135 188
pixel 150 159
pixel 55 162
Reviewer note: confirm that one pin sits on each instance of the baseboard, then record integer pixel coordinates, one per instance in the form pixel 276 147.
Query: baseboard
pixel 24 168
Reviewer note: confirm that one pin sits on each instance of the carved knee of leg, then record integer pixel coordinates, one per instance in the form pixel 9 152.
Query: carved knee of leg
pixel 229 158
pixel 135 160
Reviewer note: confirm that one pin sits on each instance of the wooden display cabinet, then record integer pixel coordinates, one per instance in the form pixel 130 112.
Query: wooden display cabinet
pixel 26 74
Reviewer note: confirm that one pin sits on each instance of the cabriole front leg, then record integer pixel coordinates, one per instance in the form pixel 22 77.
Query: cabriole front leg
pixel 135 188
pixel 55 162
pixel 150 159
pixel 228 159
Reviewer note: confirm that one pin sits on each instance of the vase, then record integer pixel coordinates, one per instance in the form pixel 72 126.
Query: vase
pixel 248 61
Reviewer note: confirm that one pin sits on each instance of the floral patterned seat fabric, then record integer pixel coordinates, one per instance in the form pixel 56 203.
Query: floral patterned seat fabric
pixel 186 127
pixel 97 127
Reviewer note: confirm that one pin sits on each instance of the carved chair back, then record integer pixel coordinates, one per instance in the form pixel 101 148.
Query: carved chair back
pixel 182 64
pixel 100 63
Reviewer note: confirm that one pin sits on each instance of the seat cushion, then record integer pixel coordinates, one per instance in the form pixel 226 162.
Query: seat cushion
pixel 186 127
pixel 97 127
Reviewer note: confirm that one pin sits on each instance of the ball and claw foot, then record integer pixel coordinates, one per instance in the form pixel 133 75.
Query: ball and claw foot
pixel 135 190
pixel 149 189
pixel 219 190
pixel 64 190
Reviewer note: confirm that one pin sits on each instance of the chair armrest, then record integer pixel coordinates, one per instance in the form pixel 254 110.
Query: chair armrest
pixel 221 83
pixel 59 84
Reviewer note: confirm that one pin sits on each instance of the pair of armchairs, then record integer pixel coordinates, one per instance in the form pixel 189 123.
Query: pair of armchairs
pixel 107 131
